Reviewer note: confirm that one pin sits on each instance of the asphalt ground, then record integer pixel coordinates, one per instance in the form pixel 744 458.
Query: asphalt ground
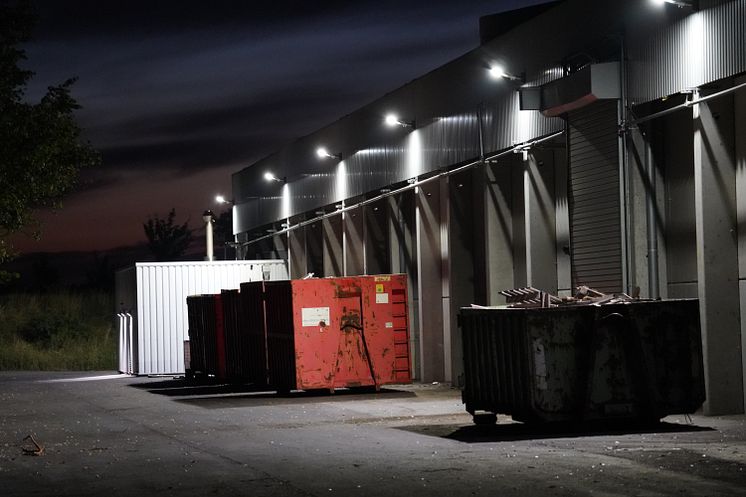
pixel 112 435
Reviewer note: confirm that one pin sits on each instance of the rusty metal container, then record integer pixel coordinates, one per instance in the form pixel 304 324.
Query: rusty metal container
pixel 245 344
pixel 638 360
pixel 206 336
pixel 280 335
pixel 337 332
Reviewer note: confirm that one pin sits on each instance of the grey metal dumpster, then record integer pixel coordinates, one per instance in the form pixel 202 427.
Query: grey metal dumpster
pixel 634 360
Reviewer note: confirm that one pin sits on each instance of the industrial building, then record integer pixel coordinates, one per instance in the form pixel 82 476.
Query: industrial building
pixel 583 142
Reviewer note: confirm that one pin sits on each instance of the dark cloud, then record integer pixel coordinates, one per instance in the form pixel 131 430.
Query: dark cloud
pixel 173 91
pixel 74 19
pixel 181 155
pixel 191 139
pixel 82 19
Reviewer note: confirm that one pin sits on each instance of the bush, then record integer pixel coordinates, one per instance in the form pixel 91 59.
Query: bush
pixel 59 331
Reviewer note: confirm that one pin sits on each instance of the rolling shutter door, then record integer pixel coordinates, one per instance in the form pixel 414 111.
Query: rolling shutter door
pixel 595 216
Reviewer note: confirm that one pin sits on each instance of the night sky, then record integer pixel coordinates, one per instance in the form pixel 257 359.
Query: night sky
pixel 178 95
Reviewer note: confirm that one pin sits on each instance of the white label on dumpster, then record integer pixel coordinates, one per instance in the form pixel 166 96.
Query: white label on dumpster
pixel 313 316
pixel 382 298
pixel 540 365
pixel 389 324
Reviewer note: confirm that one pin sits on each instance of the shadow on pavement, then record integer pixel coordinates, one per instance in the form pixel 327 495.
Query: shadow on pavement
pixel 181 387
pixel 512 432
pixel 221 395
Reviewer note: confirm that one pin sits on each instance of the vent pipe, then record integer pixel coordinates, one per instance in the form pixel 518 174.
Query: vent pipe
pixel 208 218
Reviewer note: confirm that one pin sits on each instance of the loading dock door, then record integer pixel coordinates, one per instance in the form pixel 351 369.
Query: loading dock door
pixel 595 215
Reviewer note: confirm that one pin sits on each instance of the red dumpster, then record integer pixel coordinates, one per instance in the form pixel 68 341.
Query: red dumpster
pixel 345 332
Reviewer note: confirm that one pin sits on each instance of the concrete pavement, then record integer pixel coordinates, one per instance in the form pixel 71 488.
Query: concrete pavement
pixel 115 435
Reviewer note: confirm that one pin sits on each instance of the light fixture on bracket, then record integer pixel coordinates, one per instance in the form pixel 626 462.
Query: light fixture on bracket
pixel 268 176
pixel 498 72
pixel 220 199
pixel 679 3
pixel 523 150
pixel 393 120
pixel 322 153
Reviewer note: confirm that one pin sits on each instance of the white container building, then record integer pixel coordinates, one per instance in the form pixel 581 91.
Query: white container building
pixel 152 311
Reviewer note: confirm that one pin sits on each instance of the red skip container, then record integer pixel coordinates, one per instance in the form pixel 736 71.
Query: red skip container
pixel 350 332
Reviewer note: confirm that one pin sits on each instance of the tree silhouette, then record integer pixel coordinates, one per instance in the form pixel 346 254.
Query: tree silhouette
pixel 167 240
pixel 41 151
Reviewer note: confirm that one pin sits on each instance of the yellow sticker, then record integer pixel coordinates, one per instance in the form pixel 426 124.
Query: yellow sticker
pixel 382 278
pixel 379 287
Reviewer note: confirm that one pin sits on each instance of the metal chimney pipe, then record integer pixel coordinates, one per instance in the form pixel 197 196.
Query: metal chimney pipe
pixel 208 218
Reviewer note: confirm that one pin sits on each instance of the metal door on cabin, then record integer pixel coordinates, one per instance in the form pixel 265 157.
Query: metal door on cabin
pixel 594 192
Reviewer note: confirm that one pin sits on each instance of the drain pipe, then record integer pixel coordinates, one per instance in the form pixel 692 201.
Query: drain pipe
pixel 650 207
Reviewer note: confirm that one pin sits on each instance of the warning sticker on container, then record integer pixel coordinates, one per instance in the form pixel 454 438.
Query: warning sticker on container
pixel 382 278
pixel 389 324
pixel 379 287
pixel 315 316
pixel 382 298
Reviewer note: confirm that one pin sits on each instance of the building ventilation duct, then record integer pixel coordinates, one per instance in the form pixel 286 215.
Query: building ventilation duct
pixel 593 82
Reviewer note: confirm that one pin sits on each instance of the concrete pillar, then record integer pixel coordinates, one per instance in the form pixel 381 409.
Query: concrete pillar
pixel 740 132
pixel 280 246
pixel 331 228
pixel 354 249
pixel 498 230
pixel 637 267
pixel 717 254
pixel 376 239
pixel 297 254
pixel 540 218
pixel 263 249
pixel 402 236
pixel 518 209
pixel 680 223
pixel 431 256
pixel 462 259
pixel 314 248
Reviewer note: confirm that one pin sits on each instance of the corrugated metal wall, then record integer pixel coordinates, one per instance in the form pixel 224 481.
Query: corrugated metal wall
pixel 445 142
pixel 702 47
pixel 162 289
pixel 595 216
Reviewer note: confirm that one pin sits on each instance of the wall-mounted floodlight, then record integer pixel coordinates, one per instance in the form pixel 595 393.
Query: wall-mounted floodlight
pixel 268 176
pixel 498 72
pixel 393 120
pixel 322 153
pixel 220 199
pixel 679 3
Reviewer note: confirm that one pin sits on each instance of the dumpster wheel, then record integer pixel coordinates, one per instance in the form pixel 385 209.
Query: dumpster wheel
pixel 485 418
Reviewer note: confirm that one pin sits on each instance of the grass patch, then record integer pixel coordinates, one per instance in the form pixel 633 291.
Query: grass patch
pixel 61 331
